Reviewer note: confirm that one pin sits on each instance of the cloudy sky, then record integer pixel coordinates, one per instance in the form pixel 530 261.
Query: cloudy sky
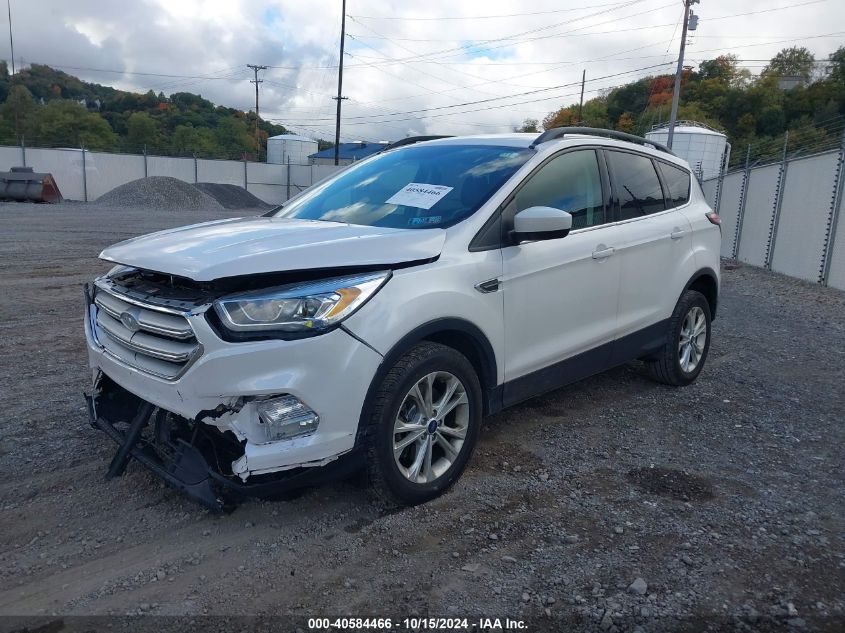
pixel 438 66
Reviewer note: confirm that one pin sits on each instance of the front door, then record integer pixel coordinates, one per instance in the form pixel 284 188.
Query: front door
pixel 560 295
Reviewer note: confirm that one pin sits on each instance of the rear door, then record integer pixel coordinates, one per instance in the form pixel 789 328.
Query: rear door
pixel 655 239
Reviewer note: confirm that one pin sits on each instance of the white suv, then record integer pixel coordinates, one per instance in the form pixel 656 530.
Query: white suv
pixel 377 317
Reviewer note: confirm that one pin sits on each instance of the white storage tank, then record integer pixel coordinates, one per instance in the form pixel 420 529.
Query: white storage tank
pixel 290 148
pixel 705 149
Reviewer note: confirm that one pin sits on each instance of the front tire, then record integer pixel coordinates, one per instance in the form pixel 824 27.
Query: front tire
pixel 688 341
pixel 426 416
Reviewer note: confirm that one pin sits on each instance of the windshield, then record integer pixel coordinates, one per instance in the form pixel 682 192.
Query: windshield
pixel 415 187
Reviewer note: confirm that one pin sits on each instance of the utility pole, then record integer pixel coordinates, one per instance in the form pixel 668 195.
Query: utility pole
pixel 676 93
pixel 339 98
pixel 581 102
pixel 256 81
pixel 11 41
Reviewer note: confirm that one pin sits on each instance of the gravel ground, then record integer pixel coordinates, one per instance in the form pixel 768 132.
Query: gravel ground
pixel 616 504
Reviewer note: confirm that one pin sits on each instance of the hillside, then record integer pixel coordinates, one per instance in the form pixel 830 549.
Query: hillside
pixel 51 108
pixel 793 92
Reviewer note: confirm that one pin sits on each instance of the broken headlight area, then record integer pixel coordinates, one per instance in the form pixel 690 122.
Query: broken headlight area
pixel 194 456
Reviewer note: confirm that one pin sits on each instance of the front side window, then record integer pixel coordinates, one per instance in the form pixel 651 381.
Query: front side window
pixel 415 187
pixel 570 182
pixel 677 181
pixel 637 184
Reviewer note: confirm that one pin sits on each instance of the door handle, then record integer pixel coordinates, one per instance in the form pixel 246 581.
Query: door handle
pixel 677 233
pixel 603 252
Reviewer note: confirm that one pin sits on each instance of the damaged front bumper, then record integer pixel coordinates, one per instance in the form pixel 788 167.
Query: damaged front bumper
pixel 191 456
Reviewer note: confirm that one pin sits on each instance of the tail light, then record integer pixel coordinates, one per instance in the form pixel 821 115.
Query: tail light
pixel 714 218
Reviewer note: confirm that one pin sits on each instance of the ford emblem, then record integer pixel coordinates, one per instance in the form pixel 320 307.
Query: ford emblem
pixel 130 321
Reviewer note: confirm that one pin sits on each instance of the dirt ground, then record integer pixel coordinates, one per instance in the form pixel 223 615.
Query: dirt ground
pixel 616 504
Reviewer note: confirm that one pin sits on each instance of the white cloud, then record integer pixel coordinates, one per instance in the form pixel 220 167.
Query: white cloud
pixel 209 42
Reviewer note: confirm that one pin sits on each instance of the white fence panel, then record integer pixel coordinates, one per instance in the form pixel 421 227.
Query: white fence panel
pixel 268 182
pixel 729 210
pixel 106 171
pixel 10 157
pixel 709 188
pixel 181 168
pixel 300 178
pixel 836 276
pixel 225 172
pixel 759 209
pixel 64 164
pixel 803 217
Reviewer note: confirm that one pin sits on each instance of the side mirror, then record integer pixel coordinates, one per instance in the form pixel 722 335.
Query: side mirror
pixel 540 223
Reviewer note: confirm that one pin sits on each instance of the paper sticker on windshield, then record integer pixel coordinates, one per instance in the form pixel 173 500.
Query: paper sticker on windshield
pixel 419 195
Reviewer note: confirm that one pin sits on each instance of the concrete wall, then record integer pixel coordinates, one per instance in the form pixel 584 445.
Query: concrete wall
pixel 787 218
pixel 103 172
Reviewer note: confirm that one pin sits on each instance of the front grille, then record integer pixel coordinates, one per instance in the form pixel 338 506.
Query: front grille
pixel 152 338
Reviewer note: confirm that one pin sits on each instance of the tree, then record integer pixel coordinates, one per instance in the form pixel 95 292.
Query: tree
pixel 724 68
pixel 19 110
pixel 560 118
pixel 625 122
pixel 836 65
pixel 67 123
pixel 528 125
pixel 791 62
pixel 142 131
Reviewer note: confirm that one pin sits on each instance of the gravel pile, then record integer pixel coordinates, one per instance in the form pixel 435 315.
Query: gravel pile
pixel 232 196
pixel 159 192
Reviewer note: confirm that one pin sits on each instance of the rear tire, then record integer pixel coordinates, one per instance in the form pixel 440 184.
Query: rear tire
pixel 425 420
pixel 683 356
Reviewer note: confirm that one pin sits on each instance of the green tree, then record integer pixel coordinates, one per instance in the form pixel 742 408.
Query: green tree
pixel 528 125
pixel 19 110
pixel 836 65
pixel 70 124
pixel 142 131
pixel 796 61
pixel 234 138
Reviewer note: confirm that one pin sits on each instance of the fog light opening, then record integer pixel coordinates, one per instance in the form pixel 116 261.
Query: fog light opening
pixel 286 417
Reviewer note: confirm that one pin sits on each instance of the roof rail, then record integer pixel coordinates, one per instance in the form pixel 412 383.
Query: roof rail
pixel 411 140
pixel 560 132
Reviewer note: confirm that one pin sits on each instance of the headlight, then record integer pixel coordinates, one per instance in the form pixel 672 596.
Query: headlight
pixel 307 307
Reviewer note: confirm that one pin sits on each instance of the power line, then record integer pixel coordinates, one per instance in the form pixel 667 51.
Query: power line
pixel 469 49
pixel 520 94
pixel 484 17
pixel 476 49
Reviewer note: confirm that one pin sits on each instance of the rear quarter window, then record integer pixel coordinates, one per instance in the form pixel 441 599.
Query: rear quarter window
pixel 677 181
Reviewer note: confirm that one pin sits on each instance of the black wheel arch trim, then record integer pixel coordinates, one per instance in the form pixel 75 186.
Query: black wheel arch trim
pixel 706 272
pixel 491 394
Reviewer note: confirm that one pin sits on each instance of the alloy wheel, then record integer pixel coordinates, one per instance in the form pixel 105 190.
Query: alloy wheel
pixel 431 426
pixel 692 340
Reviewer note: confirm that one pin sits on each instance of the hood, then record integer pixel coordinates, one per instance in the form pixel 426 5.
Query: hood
pixel 244 246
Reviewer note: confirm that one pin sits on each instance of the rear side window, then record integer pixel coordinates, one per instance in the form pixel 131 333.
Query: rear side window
pixel 636 183
pixel 677 180
pixel 569 182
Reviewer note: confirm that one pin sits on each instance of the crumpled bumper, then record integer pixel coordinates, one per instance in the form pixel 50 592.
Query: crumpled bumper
pixel 183 458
